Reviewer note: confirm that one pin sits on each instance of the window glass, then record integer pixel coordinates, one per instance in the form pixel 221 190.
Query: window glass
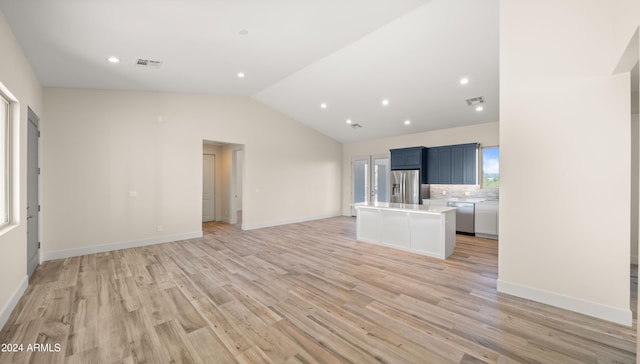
pixel 491 167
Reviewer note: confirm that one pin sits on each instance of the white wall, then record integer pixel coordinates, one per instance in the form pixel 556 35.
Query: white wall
pixel 17 75
pixel 485 134
pixel 99 146
pixel 564 134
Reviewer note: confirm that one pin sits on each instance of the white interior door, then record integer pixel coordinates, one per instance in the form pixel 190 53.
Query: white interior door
pixel 208 187
pixel 370 179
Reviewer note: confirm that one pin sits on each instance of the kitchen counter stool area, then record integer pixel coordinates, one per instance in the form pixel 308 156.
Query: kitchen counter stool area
pixel 427 230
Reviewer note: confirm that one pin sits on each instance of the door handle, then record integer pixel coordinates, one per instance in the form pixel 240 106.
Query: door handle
pixel 29 217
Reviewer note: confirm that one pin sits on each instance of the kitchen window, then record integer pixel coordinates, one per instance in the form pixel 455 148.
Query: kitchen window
pixel 8 115
pixel 490 167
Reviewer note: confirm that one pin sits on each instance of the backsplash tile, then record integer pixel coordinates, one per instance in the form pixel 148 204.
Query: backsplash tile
pixel 461 191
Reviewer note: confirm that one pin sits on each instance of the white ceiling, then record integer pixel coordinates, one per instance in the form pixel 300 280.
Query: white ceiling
pixel 297 54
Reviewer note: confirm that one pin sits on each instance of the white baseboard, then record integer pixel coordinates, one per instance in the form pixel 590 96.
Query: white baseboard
pixel 60 254
pixel 613 314
pixel 285 222
pixel 13 301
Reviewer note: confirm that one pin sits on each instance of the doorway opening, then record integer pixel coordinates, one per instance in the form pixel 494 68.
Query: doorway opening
pixel 208 187
pixel 222 176
pixel 628 63
pixel 635 185
pixel 33 192
pixel 236 182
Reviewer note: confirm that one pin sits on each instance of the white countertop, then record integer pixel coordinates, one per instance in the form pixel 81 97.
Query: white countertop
pixel 432 209
pixel 461 199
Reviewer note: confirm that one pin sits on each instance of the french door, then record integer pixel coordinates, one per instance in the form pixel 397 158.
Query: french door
pixel 370 179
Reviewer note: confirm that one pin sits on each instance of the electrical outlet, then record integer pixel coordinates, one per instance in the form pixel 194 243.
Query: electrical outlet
pixel 160 228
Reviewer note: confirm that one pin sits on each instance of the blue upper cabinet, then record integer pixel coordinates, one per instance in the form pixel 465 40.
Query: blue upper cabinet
pixel 410 158
pixel 453 164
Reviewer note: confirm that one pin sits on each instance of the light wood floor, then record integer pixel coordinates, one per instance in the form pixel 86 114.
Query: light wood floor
pixel 301 293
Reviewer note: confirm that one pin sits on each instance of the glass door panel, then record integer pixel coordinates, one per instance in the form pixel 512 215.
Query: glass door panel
pixel 360 180
pixel 380 178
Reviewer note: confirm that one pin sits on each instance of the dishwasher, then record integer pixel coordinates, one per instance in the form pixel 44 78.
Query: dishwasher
pixel 464 216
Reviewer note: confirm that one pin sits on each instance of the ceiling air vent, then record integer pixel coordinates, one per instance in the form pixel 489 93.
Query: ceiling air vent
pixel 148 63
pixel 475 101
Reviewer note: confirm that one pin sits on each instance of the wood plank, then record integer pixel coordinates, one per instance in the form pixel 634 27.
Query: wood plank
pixel 144 342
pixel 209 347
pixel 184 312
pixel 176 342
pixel 299 293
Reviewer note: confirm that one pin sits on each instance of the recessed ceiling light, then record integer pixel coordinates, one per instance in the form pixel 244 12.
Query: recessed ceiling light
pixel 385 102
pixel 323 105
pixel 113 59
pixel 349 121
pixel 407 122
pixel 464 81
pixel 479 108
pixel 240 74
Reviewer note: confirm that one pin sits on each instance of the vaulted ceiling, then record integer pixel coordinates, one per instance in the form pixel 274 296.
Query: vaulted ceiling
pixel 320 62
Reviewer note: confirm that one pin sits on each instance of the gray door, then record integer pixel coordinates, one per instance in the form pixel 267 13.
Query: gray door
pixel 33 207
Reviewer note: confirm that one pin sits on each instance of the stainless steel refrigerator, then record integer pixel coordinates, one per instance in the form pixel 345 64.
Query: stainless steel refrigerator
pixel 405 186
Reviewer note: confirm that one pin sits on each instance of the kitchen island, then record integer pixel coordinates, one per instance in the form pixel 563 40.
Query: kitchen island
pixel 427 230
